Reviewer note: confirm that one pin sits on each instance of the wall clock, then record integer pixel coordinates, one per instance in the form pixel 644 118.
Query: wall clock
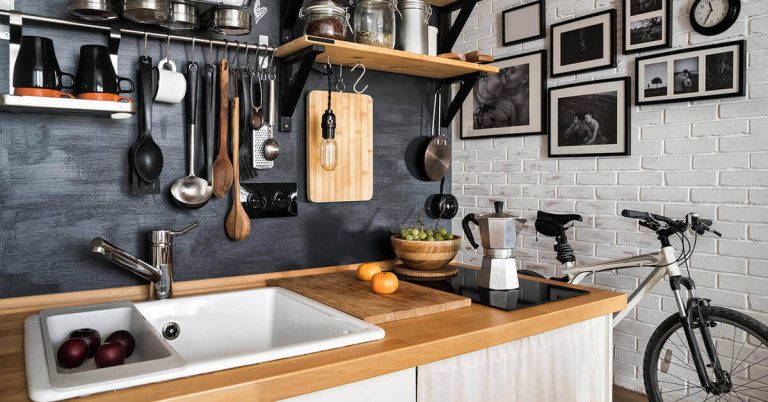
pixel 712 17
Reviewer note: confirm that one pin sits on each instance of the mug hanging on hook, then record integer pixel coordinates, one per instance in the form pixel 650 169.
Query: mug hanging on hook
pixel 171 84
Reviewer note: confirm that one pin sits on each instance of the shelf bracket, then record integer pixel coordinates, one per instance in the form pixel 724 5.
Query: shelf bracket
pixel 449 32
pixel 291 88
pixel 466 83
pixel 289 13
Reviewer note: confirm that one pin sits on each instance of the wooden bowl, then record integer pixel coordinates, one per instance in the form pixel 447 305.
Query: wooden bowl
pixel 425 255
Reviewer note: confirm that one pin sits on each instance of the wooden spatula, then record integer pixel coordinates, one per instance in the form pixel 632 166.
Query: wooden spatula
pixel 222 166
pixel 238 223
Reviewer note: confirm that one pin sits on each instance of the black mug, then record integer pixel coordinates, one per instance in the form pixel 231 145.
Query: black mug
pixel 37 67
pixel 96 77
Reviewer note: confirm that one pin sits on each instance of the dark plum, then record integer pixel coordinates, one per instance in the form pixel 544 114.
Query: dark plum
pixel 91 336
pixel 72 352
pixel 110 354
pixel 125 338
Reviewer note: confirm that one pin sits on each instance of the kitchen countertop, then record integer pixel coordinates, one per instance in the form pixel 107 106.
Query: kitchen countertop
pixel 408 343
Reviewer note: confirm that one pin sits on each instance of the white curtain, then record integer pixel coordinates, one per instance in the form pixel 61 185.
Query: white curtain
pixel 570 364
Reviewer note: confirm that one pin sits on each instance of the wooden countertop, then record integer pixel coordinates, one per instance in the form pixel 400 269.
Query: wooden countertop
pixel 408 343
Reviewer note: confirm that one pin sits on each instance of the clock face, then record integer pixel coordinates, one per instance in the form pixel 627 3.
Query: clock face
pixel 709 13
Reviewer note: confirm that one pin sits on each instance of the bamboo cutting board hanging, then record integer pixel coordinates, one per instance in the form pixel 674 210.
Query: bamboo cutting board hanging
pixel 342 291
pixel 352 180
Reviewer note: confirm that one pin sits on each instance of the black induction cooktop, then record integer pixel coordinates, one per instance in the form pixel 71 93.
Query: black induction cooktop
pixel 530 293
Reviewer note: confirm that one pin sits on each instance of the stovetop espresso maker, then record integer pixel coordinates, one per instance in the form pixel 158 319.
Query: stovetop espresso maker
pixel 498 235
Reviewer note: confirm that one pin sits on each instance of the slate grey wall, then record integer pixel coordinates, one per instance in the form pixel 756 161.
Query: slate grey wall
pixel 64 180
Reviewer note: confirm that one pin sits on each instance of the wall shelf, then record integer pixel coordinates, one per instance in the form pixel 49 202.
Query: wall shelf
pixel 81 107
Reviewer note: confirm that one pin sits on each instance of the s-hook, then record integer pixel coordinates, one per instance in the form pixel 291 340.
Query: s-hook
pixel 340 86
pixel 167 47
pixel 146 36
pixel 354 87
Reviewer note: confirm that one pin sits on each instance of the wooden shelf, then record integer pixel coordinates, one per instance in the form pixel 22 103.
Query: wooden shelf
pixel 37 104
pixel 380 59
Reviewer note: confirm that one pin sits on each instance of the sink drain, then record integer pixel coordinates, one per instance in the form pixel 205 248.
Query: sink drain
pixel 171 331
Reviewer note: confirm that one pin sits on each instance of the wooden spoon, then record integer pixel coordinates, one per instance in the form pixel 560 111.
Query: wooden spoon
pixel 222 166
pixel 238 223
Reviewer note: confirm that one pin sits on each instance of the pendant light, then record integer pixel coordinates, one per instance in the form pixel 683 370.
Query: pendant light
pixel 329 150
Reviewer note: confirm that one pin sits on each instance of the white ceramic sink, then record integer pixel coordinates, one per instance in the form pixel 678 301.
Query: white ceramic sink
pixel 215 332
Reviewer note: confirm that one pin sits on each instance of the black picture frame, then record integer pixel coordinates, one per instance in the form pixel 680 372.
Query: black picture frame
pixel 623 122
pixel 705 89
pixel 588 65
pixel 467 113
pixel 542 23
pixel 664 13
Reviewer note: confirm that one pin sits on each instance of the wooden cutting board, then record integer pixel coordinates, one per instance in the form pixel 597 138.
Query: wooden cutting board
pixel 342 291
pixel 352 180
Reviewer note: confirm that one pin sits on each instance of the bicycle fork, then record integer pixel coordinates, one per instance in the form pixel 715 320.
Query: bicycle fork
pixel 692 317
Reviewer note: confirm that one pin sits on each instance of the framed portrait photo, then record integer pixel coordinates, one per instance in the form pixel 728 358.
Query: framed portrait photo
pixel 512 102
pixel 647 25
pixel 705 72
pixel 585 44
pixel 523 23
pixel 590 118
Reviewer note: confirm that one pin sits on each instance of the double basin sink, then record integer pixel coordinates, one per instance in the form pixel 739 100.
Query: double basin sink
pixel 186 336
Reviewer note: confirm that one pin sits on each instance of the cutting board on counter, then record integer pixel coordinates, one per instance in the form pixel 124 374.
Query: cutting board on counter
pixel 342 291
pixel 352 180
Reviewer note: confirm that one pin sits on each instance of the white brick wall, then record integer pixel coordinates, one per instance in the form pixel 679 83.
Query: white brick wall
pixel 710 157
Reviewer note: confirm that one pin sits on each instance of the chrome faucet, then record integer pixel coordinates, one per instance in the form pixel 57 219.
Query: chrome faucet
pixel 160 273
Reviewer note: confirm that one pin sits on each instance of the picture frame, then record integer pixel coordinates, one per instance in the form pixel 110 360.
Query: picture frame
pixel 515 23
pixel 676 76
pixel 647 25
pixel 583 44
pixel 590 118
pixel 512 102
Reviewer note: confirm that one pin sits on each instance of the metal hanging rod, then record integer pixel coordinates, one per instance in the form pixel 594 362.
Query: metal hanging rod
pixel 133 32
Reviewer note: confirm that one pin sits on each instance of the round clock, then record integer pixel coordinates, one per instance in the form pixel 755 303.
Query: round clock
pixel 712 17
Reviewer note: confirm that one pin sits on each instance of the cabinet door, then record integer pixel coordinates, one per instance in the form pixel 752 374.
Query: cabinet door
pixel 399 386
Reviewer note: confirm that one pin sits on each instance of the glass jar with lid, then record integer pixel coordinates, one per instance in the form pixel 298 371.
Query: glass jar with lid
pixel 375 22
pixel 326 19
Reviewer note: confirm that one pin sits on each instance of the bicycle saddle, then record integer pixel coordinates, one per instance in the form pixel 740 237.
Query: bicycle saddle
pixel 550 224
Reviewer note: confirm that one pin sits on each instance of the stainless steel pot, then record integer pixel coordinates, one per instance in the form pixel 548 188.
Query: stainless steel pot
pixel 412 30
pixel 147 11
pixel 92 10
pixel 184 17
pixel 231 21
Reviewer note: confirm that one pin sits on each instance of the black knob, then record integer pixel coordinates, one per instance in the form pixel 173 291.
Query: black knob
pixel 257 200
pixel 281 200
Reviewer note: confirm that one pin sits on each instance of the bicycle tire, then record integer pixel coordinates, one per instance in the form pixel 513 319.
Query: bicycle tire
pixel 672 324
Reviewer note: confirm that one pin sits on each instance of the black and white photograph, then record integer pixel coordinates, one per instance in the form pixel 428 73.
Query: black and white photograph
pixel 584 44
pixel 590 119
pixel 719 74
pixel 511 102
pixel 647 25
pixel 655 80
pixel 704 72
pixel 686 76
pixel 523 23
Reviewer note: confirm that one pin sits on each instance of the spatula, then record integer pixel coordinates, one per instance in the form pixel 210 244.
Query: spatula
pixel 222 167
pixel 238 224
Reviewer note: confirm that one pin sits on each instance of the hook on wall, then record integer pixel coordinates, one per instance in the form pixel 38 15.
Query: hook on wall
pixel 354 87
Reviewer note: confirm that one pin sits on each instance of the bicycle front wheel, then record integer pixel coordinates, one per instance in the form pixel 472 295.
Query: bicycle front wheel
pixel 741 345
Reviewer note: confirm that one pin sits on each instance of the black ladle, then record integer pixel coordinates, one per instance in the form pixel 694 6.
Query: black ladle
pixel 147 156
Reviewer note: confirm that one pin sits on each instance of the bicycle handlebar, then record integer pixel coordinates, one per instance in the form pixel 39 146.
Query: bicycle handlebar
pixel 692 221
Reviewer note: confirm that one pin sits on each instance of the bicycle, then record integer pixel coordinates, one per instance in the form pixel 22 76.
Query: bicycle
pixel 691 365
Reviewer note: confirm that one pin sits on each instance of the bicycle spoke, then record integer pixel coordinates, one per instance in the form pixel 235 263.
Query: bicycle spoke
pixel 750 382
pixel 689 395
pixel 758 362
pixel 733 348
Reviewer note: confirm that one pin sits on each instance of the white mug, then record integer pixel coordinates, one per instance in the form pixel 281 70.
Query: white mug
pixel 432 41
pixel 171 85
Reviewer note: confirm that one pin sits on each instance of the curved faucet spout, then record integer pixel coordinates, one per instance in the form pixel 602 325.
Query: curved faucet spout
pixel 121 258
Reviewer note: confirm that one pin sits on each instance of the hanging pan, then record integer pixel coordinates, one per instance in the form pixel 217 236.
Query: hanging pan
pixel 437 157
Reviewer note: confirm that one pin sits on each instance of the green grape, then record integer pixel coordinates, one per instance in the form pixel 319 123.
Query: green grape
pixel 423 235
pixel 430 232
pixel 443 231
pixel 439 238
pixel 404 233
pixel 415 232
pixel 449 236
pixel 409 237
pixel 430 238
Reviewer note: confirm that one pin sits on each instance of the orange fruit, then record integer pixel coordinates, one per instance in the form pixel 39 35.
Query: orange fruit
pixel 367 270
pixel 384 283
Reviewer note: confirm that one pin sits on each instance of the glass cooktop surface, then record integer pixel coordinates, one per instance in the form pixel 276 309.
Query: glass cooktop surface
pixel 530 293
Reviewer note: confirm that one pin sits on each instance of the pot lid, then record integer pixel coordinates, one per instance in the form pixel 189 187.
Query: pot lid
pixel 498 212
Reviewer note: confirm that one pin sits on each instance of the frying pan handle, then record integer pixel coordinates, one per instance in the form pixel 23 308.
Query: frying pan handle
pixel 146 92
pixel 467 232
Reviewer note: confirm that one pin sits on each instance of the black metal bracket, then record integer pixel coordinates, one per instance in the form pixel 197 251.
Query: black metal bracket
pixel 450 30
pixel 292 88
pixel 289 13
pixel 466 83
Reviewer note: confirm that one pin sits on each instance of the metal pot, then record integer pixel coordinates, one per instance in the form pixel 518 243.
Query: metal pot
pixel 147 11
pixel 231 21
pixel 92 10
pixel 184 17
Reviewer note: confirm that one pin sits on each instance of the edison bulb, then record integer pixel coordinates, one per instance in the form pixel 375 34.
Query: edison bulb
pixel 329 153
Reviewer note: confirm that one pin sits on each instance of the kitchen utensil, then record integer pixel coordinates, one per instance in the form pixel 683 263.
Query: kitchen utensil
pixel 498 235
pixel 92 10
pixel 271 147
pixel 191 191
pixel 238 224
pixel 437 157
pixel 425 255
pixel 222 167
pixel 231 21
pixel 96 78
pixel 246 134
pixel 171 84
pixel 442 206
pixel 412 30
pixel 184 17
pixel 341 290
pixel 257 118
pixel 147 156
pixel 36 71
pixel 147 11
pixel 139 185
pixel 210 118
pixel 352 180
pixel 260 138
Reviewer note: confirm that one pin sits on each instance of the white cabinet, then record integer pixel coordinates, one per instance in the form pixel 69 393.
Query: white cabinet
pixel 399 386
